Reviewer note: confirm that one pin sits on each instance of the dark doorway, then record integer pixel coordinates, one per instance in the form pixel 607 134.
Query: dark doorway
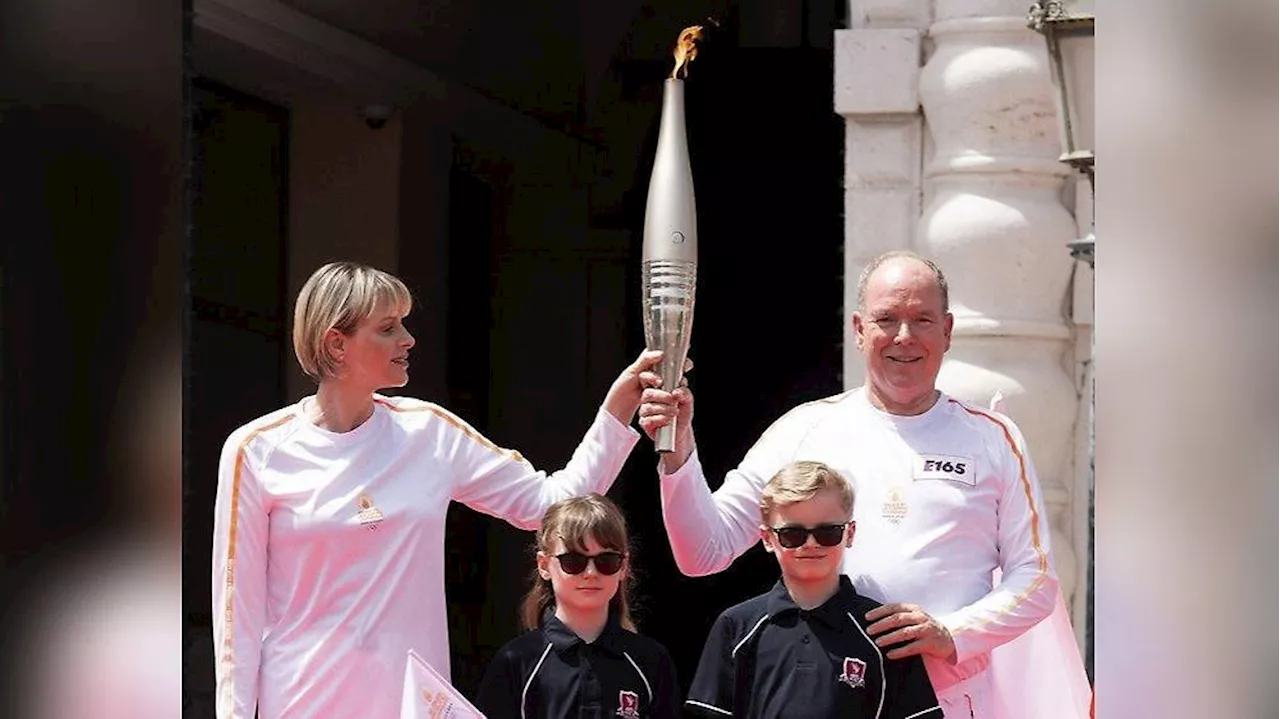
pixel 238 331
pixel 471 210
pixel 467 369
pixel 766 148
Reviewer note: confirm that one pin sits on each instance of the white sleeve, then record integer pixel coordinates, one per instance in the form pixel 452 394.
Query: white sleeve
pixel 1028 585
pixel 709 530
pixel 240 532
pixel 501 483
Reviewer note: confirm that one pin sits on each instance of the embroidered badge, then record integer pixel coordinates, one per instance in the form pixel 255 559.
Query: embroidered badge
pixel 628 705
pixel 854 674
pixel 370 516
pixel 894 508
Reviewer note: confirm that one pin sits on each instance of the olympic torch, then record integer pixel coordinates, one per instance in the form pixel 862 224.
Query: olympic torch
pixel 669 267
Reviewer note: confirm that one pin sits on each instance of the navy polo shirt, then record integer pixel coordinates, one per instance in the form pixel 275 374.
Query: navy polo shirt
pixel 767 657
pixel 551 672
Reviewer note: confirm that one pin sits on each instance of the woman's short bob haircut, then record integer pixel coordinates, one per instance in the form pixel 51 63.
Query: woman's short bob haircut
pixel 340 296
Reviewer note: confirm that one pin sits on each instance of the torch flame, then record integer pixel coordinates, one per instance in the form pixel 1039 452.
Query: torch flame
pixel 686 49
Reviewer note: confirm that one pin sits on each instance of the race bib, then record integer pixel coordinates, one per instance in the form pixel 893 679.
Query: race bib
pixel 942 466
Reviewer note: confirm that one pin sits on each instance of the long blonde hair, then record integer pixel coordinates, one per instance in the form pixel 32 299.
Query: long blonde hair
pixel 573 520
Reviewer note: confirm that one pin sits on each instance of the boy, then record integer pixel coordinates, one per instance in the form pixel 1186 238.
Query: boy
pixel 801 650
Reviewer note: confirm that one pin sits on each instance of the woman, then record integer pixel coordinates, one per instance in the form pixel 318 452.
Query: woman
pixel 328 561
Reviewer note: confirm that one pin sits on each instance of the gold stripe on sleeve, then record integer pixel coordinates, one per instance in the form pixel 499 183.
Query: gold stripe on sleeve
pixel 1041 556
pixel 233 525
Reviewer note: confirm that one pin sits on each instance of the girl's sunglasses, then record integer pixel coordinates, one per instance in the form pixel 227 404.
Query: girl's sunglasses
pixel 828 535
pixel 607 563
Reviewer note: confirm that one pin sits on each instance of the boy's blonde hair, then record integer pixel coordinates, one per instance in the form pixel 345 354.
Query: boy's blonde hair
pixel 339 296
pixel 573 520
pixel 799 482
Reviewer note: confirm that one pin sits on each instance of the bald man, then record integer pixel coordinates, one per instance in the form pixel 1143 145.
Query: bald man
pixel 945 493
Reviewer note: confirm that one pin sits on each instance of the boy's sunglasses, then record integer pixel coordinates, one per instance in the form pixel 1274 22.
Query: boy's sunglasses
pixel 828 535
pixel 607 563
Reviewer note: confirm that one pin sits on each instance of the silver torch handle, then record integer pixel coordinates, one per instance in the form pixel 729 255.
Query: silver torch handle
pixel 670 262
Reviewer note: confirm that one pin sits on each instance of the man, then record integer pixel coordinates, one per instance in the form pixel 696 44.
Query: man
pixel 946 492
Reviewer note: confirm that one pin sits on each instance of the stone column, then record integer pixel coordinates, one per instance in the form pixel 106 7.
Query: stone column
pixel 877 72
pixel 1082 316
pixel 994 220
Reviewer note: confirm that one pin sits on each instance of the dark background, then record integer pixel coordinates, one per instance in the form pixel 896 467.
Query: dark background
pixel 132 182
pixel 93 145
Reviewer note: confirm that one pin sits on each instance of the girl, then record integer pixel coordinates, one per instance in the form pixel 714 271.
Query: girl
pixel 581 656
pixel 328 561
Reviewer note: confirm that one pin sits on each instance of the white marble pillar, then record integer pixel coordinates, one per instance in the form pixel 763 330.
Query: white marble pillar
pixel 877 73
pixel 1082 316
pixel 994 220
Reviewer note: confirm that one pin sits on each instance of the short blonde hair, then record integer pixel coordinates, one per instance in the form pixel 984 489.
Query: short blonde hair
pixel 340 296
pixel 799 482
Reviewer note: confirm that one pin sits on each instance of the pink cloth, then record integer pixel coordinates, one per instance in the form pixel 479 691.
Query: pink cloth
pixel 1040 675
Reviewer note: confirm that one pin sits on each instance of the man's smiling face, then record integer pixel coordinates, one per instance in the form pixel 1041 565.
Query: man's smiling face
pixel 903 331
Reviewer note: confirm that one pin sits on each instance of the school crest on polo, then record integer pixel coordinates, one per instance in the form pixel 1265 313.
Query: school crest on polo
pixel 854 672
pixel 628 705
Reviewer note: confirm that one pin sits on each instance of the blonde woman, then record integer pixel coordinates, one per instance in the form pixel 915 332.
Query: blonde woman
pixel 328 558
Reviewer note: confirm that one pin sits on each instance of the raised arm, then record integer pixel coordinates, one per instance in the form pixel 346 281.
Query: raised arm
pixel 504 484
pixel 709 530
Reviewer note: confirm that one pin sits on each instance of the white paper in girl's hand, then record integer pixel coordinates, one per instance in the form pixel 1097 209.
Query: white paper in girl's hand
pixel 427 695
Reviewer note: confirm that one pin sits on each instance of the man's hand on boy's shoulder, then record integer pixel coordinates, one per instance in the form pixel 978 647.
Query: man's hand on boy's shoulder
pixel 913 628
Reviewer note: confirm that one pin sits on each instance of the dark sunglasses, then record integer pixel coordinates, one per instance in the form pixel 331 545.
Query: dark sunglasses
pixel 828 535
pixel 607 563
